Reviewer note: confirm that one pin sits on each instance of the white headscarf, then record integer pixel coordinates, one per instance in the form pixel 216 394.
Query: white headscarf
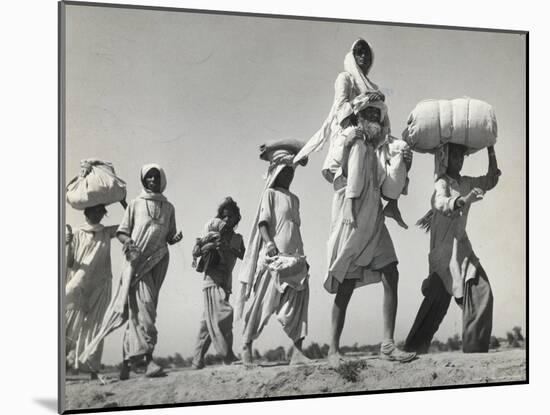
pixel 330 126
pixel 146 193
pixel 362 82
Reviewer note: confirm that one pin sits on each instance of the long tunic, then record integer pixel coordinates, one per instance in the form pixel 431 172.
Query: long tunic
pixel 150 223
pixel 451 254
pixel 359 252
pixel 288 299
pixel 88 289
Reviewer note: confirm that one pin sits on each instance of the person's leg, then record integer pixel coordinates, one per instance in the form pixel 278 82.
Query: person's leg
pixel 292 313
pixel 148 296
pixel 430 315
pixel 388 350
pixel 341 301
pixel 125 366
pixel 202 345
pixel 390 280
pixel 477 314
pixel 392 211
pixel 218 316
pixel 298 356
pixel 247 353
pixel 258 312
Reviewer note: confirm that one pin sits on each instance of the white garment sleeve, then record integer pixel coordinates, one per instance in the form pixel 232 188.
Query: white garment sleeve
pixel 356 170
pixel 443 201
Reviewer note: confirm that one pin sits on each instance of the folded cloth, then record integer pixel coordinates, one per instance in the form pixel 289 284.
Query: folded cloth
pixel 291 145
pixel 291 270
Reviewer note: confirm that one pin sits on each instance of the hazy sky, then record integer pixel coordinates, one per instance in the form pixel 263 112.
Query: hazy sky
pixel 199 93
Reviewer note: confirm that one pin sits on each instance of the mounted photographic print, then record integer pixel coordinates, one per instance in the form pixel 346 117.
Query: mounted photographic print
pixel 258 207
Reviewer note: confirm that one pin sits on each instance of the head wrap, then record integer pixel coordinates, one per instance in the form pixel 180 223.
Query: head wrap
pixel 146 193
pixel 364 101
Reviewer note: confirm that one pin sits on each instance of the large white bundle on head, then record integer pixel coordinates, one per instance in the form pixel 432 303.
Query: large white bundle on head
pixel 98 184
pixel 466 121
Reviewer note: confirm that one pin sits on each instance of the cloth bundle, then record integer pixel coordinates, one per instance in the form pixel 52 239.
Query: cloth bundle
pixel 97 184
pixel 395 180
pixel 269 149
pixel 205 247
pixel 291 270
pixel 465 121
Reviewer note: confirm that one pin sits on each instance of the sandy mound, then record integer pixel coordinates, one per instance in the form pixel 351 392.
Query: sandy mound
pixel 237 382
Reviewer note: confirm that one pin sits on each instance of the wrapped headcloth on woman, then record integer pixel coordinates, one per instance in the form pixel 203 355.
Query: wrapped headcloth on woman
pixel 147 167
pixel 330 126
pixel 362 82
pixel 148 194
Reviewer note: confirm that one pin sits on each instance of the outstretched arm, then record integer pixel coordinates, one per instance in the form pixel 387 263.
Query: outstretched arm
pixel 446 204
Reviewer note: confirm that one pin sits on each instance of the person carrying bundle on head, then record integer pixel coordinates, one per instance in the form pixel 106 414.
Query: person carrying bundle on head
pixel 451 129
pixel 274 276
pixel 88 287
pixel 455 270
pixel 89 275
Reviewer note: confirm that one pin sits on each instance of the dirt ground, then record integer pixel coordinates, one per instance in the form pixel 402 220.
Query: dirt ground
pixel 237 382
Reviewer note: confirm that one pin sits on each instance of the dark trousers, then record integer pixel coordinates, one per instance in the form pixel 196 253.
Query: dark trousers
pixel 477 314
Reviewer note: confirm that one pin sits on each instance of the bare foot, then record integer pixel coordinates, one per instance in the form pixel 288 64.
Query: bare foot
pixel 335 359
pixel 392 211
pixel 299 358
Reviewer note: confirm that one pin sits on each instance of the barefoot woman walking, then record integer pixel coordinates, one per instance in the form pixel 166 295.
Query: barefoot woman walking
pixel 275 276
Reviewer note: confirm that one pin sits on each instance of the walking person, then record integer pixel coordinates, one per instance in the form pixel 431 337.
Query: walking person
pixel 360 249
pixel 218 251
pixel 455 270
pixel 274 276
pixel 88 286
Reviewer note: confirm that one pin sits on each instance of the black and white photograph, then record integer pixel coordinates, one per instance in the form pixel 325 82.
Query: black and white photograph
pixel 257 207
